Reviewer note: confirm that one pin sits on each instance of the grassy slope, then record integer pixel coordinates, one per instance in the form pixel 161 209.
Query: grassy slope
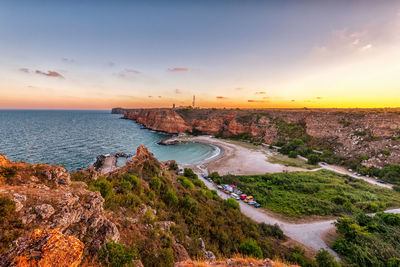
pixel 320 193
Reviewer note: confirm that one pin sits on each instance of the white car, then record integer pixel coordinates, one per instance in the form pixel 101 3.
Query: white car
pixel 235 196
pixel 251 202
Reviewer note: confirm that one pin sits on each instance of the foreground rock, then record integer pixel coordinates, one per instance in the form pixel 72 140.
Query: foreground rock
pixel 46 198
pixel 235 262
pixel 45 248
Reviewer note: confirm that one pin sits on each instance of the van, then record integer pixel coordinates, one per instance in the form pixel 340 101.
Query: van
pixel 248 199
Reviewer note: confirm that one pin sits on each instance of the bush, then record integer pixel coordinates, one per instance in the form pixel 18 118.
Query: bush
pixel 325 259
pixel 250 248
pixel 189 204
pixel 165 257
pixel 313 159
pixel 115 255
pixel 293 154
pixel 155 183
pixel 173 166
pixel 232 203
pixel 171 198
pixel 186 183
pixel 189 173
pixel 104 186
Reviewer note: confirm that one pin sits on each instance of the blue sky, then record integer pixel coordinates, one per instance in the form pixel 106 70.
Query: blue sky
pixel 125 52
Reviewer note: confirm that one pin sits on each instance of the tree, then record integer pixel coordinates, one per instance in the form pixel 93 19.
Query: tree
pixel 189 173
pixel 232 203
pixel 325 259
pixel 313 159
pixel 293 154
pixel 171 198
pixel 115 255
pixel 250 248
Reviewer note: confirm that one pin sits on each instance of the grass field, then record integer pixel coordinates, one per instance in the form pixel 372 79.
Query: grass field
pixel 296 162
pixel 322 193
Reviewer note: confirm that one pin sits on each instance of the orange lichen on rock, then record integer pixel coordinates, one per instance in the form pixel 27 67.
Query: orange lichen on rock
pixel 45 248
pixel 235 262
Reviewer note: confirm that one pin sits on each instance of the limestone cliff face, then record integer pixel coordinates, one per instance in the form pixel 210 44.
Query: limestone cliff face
pixel 45 248
pixel 351 133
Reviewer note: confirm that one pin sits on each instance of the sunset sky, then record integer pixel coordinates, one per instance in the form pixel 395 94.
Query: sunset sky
pixel 229 53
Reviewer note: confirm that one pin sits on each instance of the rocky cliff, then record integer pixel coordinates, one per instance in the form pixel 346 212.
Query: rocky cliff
pixel 348 133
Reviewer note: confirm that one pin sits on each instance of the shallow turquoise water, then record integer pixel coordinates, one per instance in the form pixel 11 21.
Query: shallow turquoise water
pixel 75 138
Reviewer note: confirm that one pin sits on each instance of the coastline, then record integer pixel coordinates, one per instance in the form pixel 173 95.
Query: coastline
pixel 233 158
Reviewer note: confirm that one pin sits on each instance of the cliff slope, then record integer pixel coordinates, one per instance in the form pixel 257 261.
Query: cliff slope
pixel 371 134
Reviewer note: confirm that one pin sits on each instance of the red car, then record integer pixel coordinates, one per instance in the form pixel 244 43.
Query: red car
pixel 243 196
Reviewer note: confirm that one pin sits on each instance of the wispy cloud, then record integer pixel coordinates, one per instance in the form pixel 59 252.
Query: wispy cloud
pixel 238 88
pixel 26 70
pixel 178 91
pixel 319 98
pixel 221 97
pixel 366 47
pixel 260 93
pixel 68 60
pixel 128 72
pixel 150 96
pixel 50 74
pixel 132 71
pixel 256 101
pixel 178 69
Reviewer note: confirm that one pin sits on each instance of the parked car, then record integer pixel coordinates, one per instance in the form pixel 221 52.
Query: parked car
pixel 235 196
pixel 219 187
pixel 252 202
pixel 248 199
pixel 209 179
pixel 381 181
pixel 243 196
pixel 204 176
pixel 257 205
pixel 180 172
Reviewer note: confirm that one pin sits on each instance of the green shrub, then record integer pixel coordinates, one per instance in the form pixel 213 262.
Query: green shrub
pixel 171 198
pixel 165 257
pixel 362 158
pixel 325 259
pixel 125 186
pixel 155 183
pixel 173 166
pixel 187 172
pixel 116 255
pixel 232 203
pixel 313 159
pixel 293 154
pixel 104 186
pixel 250 248
pixel 186 183
pixel 189 204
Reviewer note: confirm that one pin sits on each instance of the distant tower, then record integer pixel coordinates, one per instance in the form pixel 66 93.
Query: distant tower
pixel 173 105
pixel 194 101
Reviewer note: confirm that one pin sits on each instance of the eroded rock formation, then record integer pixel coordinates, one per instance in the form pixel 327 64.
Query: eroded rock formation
pixel 45 248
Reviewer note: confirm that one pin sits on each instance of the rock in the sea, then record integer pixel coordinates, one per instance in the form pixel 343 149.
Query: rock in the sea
pixel 45 248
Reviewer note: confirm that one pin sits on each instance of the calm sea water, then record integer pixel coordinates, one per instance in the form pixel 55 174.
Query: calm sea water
pixel 75 138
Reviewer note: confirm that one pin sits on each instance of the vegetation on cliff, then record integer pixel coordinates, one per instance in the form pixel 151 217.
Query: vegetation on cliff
pixel 163 218
pixel 321 193
pixel 369 240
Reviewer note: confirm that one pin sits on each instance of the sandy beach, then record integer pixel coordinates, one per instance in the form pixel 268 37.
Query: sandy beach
pixel 239 158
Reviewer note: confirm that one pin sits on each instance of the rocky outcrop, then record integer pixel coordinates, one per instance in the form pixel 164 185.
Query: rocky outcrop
pixel 44 248
pixel 349 133
pixel 46 198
